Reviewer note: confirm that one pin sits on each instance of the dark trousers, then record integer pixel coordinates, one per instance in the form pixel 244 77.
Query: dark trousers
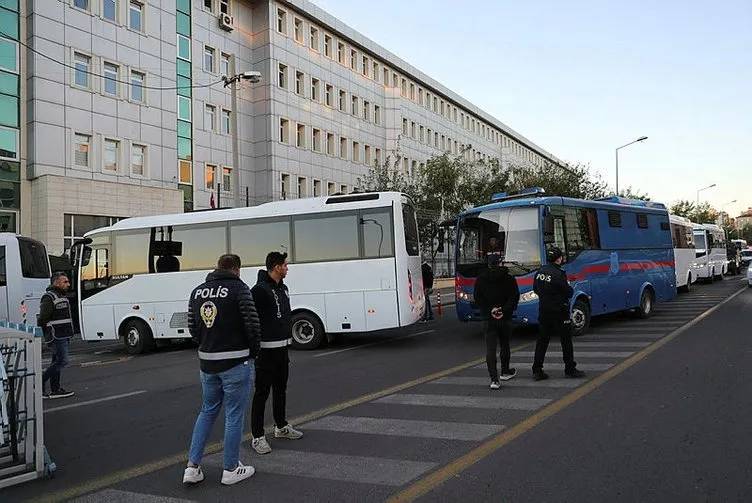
pixel 272 370
pixel 59 361
pixel 501 331
pixel 554 326
pixel 428 314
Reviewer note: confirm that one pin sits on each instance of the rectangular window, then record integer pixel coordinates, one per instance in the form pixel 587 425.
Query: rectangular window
pixel 614 219
pixel 282 21
pixel 377 233
pixel 224 64
pixel 375 71
pixel 342 101
pixel 356 151
pixel 404 127
pixel 386 77
pixel 210 176
pixel 137 86
pixel 367 155
pixel 412 91
pixel 282 76
pixel 111 155
pixel 184 47
pixel 184 108
pixel 366 111
pixel 224 7
pixel 327 46
pixel 284 188
pixel 331 188
pixel 254 239
pixel 315 89
pixel 299 78
pixel 412 130
pixel 136 17
pixel 82 64
pixel 377 155
pixel 316 140
pixel 226 121
pixel 403 89
pixel 343 189
pixel 320 239
pixel 328 95
pixel 298 28
pixel 138 160
pixel 330 146
pixel 302 186
pixel 284 130
pixel 421 135
pixel 300 137
pixel 354 108
pixel 642 221
pixel 81 4
pixel 343 148
pixel 82 147
pixel 353 60
pixel 34 261
pixel 208 59
pixel 314 39
pixel 377 114
pixel 209 5
pixel 364 67
pixel 317 188
pixel 227 179
pixel 341 53
pixel 109 10
pixel 185 171
pixel 210 117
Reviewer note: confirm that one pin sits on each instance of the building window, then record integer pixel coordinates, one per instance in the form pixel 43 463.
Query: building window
pixel 284 130
pixel 315 89
pixel 224 7
pixel 377 114
pixel 226 179
pixel 208 59
pixel 137 86
pixel 366 111
pixel 421 136
pixel 386 77
pixel 299 77
pixel 342 101
pixel 138 160
pixel 224 64
pixel 356 151
pixel 282 21
pixel 184 47
pixel 375 71
pixel 82 63
pixel 300 137
pixel 331 188
pixel 209 5
pixel 302 186
pixel 412 91
pixel 82 147
pixel 316 140
pixel 109 10
pixel 328 95
pixel 327 46
pixel 285 185
pixel 367 155
pixel 330 143
pixel 377 155
pixel 226 121
pixel 210 176
pixel 136 17
pixel 341 53
pixel 185 172
pixel 403 88
pixel 81 4
pixel 364 67
pixel 282 76
pixel 314 38
pixel 343 148
pixel 405 166
pixel 111 77
pixel 210 117
pixel 343 189
pixel 412 130
pixel 317 188
pixel 353 60
pixel 404 127
pixel 75 226
pixel 111 155
pixel 184 108
pixel 9 143
pixel 354 108
pixel 298 23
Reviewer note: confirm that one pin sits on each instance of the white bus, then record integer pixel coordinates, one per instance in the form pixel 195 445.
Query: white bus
pixel 354 266
pixel 685 258
pixel 24 277
pixel 710 244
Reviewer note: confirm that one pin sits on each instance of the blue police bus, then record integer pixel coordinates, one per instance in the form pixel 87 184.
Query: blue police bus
pixel 618 252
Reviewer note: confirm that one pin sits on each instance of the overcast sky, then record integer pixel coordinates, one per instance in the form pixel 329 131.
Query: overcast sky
pixel 580 78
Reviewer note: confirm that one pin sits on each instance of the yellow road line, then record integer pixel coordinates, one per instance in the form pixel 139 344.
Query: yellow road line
pixel 154 466
pixel 423 486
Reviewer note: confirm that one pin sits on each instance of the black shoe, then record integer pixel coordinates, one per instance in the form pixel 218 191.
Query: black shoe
pixel 60 393
pixel 574 373
pixel 539 375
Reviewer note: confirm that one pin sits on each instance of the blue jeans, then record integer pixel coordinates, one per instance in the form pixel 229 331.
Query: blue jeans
pixel 233 388
pixel 59 361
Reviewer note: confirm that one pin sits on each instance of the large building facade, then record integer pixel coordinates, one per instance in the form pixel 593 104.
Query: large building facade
pixel 121 110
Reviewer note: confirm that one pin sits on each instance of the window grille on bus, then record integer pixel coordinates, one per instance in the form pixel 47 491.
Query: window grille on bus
pixel 614 219
pixel 642 221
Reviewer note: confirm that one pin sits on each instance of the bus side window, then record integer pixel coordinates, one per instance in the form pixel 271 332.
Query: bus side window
pixel 3 277
pixel 103 263
pixel 559 240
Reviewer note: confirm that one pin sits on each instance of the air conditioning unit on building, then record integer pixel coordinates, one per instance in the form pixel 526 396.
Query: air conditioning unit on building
pixel 226 22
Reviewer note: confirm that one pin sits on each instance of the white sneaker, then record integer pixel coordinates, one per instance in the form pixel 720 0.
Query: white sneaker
pixel 287 432
pixel 494 385
pixel 261 446
pixel 239 474
pixel 193 475
pixel 508 374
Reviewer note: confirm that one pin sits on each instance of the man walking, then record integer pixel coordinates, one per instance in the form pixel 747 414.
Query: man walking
pixel 554 294
pixel 56 320
pixel 427 274
pixel 497 295
pixel 273 304
pixel 223 320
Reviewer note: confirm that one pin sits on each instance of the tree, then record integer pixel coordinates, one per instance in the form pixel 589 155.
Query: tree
pixel 683 208
pixel 703 213
pixel 570 181
pixel 631 193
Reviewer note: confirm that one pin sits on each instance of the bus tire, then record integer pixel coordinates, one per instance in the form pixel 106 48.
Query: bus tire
pixel 137 336
pixel 647 301
pixel 688 287
pixel 580 317
pixel 307 331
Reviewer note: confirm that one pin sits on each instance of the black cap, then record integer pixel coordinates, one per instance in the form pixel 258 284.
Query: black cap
pixel 554 253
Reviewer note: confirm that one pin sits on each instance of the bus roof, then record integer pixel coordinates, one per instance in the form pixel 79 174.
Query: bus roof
pixel 676 219
pixel 609 203
pixel 271 209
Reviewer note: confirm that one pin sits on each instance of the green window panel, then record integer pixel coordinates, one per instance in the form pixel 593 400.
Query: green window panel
pixel 184 148
pixel 184 86
pixel 184 24
pixel 182 6
pixel 184 108
pixel 10 194
pixel 8 83
pixel 10 4
pixel 184 68
pixel 184 129
pixel 9 143
pixel 9 23
pixel 8 110
pixel 10 171
pixel 184 48
pixel 8 55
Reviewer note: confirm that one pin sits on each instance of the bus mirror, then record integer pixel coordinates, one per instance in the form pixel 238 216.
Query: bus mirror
pixel 85 256
pixel 548 226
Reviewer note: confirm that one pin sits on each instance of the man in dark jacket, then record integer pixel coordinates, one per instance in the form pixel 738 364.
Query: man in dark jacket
pixel 56 320
pixel 272 369
pixel 554 294
pixel 496 294
pixel 427 274
pixel 222 318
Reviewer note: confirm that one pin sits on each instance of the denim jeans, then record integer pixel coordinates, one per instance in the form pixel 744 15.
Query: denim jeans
pixel 233 389
pixel 59 361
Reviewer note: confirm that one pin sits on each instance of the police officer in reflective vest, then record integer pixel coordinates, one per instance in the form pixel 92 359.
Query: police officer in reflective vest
pixel 56 320
pixel 554 294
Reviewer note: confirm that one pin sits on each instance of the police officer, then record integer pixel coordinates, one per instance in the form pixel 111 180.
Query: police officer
pixel 554 294
pixel 56 320
pixel 222 318
pixel 272 367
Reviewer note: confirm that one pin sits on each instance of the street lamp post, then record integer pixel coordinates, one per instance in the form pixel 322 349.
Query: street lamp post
pixel 642 138
pixel 700 190
pixel 723 210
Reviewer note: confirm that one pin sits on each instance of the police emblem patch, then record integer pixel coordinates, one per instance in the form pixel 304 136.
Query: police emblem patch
pixel 208 313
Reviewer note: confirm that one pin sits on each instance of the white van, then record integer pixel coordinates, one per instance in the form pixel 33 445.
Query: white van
pixel 710 245
pixel 24 277
pixel 685 258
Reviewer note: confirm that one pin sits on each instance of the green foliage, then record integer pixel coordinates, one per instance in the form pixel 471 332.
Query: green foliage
pixel 703 213
pixel 631 193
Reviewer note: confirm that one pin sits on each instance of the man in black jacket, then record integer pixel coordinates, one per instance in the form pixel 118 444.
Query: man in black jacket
pixel 222 318
pixel 272 367
pixel 554 294
pixel 427 274
pixel 56 320
pixel 496 294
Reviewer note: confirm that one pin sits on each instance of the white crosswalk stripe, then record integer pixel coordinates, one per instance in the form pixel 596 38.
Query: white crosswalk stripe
pixel 610 344
pixel 476 402
pixel 519 382
pixel 560 366
pixel 621 335
pixel 581 354
pixel 116 496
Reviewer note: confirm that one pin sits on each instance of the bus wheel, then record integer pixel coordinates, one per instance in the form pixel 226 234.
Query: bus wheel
pixel 580 317
pixel 307 331
pixel 688 287
pixel 137 337
pixel 646 303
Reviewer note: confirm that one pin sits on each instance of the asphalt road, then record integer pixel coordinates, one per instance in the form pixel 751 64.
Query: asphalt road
pixel 408 413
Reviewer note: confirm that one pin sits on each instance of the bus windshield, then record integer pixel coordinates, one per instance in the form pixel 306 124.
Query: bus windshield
pixel 512 233
pixel 34 263
pixel 700 243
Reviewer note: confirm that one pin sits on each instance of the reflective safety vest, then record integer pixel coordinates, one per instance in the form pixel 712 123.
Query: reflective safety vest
pixel 61 324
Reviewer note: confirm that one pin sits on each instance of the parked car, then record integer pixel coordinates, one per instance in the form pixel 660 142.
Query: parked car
pixel 749 276
pixel 746 256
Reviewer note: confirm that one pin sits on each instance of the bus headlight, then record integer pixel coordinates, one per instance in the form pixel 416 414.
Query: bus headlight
pixel 467 297
pixel 528 297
